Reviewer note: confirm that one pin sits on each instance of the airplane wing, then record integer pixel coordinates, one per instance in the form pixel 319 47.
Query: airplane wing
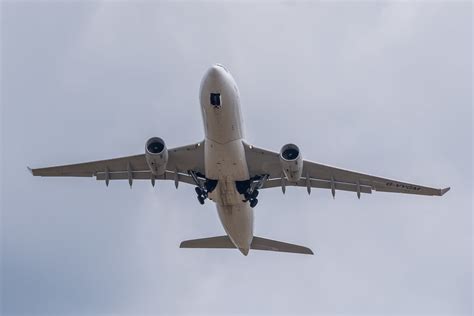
pixel 262 162
pixel 180 161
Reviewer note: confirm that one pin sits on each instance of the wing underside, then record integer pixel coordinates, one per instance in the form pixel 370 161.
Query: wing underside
pixel 314 175
pixel 181 161
pixel 261 162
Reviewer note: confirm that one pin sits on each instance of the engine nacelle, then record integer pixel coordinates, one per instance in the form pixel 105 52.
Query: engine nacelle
pixel 156 155
pixel 291 162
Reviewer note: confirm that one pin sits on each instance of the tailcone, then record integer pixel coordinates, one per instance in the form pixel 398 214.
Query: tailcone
pixel 244 251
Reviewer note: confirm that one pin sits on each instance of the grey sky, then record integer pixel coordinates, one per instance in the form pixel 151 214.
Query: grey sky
pixel 383 88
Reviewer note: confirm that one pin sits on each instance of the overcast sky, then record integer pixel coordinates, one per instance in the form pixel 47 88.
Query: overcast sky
pixel 382 88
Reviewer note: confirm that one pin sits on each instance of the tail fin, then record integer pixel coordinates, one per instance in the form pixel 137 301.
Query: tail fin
pixel 258 243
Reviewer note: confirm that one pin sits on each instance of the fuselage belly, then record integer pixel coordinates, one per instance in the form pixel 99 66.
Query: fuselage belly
pixel 224 154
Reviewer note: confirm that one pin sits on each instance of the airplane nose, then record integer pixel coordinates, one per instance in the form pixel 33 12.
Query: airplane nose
pixel 216 72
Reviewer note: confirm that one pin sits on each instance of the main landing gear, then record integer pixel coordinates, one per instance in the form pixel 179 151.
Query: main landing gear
pixel 203 187
pixel 251 197
pixel 201 195
pixel 249 188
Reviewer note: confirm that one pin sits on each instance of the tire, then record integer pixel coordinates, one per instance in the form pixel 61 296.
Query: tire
pixel 253 203
pixel 198 191
pixel 247 197
pixel 254 194
pixel 201 199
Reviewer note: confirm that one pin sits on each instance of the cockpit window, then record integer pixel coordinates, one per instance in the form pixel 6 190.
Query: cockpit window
pixel 216 99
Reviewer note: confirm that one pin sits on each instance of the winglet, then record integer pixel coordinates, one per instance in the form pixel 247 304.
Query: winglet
pixel 30 170
pixel 443 191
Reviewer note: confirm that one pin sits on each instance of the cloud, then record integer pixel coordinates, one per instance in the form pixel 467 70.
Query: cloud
pixel 380 88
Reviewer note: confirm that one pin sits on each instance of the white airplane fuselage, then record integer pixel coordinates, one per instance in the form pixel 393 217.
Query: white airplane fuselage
pixel 224 154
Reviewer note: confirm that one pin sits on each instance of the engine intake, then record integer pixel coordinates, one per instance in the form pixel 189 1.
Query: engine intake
pixel 291 162
pixel 156 155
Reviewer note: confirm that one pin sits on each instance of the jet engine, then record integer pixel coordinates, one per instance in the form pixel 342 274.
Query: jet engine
pixel 291 162
pixel 156 155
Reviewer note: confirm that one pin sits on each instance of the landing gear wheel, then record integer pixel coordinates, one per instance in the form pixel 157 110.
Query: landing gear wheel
pixel 201 199
pixel 254 194
pixel 253 203
pixel 247 197
pixel 198 191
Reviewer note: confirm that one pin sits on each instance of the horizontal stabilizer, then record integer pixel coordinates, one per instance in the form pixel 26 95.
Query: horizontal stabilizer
pixel 211 242
pixel 258 243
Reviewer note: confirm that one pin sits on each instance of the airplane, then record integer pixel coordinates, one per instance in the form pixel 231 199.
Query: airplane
pixel 228 171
